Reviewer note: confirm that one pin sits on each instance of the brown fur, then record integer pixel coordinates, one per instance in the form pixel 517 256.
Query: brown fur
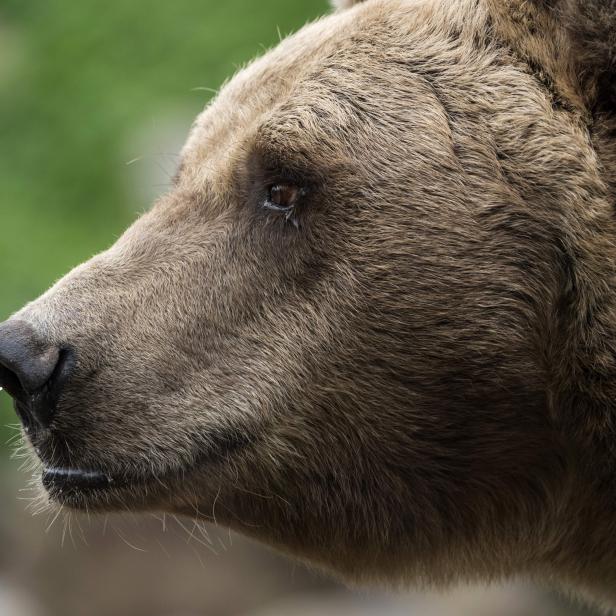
pixel 416 383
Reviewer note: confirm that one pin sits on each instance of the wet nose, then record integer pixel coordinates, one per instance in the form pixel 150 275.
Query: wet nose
pixel 32 371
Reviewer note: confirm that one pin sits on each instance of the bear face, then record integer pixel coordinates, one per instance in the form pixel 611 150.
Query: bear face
pixel 353 327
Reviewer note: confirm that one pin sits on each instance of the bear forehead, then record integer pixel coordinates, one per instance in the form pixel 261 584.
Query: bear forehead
pixel 271 81
pixel 342 51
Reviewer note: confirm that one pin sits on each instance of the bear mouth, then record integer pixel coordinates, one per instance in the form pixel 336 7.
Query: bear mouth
pixel 61 479
pixel 96 490
pixel 91 489
pixel 83 488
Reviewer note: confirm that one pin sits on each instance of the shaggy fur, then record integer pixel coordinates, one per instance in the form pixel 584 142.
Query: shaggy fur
pixel 412 377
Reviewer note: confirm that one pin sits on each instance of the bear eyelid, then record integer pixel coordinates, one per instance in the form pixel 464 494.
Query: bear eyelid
pixel 283 198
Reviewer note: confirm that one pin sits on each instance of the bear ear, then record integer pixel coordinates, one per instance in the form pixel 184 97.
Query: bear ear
pixel 344 4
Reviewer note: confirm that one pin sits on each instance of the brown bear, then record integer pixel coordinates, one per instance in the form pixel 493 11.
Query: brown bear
pixel 374 322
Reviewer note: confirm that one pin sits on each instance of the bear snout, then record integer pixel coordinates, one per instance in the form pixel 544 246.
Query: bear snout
pixel 33 371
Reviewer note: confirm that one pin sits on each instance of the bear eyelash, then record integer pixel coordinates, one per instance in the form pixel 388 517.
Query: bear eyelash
pixel 284 198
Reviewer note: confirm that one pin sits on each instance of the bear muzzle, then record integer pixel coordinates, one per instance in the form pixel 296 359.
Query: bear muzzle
pixel 33 372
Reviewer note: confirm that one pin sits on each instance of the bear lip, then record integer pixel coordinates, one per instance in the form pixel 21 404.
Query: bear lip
pixel 83 489
pixel 75 479
pixel 95 489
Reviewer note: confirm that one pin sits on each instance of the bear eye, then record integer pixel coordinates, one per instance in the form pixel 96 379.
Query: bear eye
pixel 284 198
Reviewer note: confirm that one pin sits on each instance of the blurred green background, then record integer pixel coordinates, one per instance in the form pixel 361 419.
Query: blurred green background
pixel 96 99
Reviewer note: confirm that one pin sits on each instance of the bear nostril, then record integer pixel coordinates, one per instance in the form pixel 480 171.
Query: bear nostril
pixel 31 371
pixel 10 383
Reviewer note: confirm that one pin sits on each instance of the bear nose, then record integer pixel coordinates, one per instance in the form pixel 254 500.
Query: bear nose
pixel 30 371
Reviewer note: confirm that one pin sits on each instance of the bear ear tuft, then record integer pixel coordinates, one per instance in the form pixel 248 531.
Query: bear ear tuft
pixel 344 4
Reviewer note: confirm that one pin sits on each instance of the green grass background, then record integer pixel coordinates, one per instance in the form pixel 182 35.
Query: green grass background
pixel 77 80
